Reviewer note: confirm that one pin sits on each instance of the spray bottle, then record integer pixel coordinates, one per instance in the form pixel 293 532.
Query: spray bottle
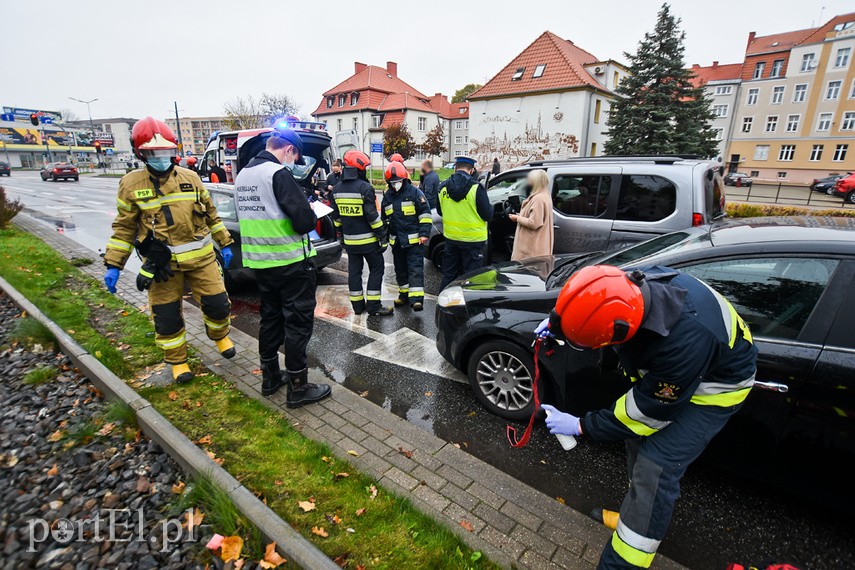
pixel 567 442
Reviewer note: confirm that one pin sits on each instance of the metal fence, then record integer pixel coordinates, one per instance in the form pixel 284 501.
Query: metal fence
pixel 785 195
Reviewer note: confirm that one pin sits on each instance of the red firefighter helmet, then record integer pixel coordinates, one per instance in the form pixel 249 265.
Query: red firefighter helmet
pixel 396 158
pixel 396 171
pixel 601 305
pixel 151 137
pixel 356 159
pixel 191 161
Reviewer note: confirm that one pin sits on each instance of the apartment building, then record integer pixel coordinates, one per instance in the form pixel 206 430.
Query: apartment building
pixel 795 118
pixel 195 131
pixel 721 83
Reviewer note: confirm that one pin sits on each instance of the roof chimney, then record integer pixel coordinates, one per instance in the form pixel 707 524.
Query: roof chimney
pixel 696 65
pixel 751 37
pixel 357 66
pixel 715 64
pixel 392 68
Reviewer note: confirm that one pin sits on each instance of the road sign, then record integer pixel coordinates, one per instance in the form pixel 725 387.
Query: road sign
pixel 7 117
pixel 109 152
pixel 377 147
pixel 47 121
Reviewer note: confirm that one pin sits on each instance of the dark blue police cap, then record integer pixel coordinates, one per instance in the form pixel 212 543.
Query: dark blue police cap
pixel 465 160
pixel 293 138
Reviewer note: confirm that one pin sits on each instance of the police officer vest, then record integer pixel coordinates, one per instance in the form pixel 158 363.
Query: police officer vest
pixel 460 220
pixel 268 238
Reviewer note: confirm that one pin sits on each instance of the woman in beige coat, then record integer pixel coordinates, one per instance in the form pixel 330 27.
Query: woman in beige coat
pixel 534 236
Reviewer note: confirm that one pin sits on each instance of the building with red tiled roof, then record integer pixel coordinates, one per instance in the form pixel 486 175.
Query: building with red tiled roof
pixel 358 109
pixel 721 83
pixel 550 101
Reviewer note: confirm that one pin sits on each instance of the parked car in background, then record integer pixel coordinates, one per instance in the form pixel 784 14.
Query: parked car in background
pixel 5 169
pixel 737 179
pixel 845 188
pixel 792 280
pixel 826 185
pixel 56 170
pixel 607 202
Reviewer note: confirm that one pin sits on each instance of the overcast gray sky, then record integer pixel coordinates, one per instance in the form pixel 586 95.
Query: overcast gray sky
pixel 137 57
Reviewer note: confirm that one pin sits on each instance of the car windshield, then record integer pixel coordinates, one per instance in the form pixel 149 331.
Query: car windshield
pixel 300 171
pixel 631 256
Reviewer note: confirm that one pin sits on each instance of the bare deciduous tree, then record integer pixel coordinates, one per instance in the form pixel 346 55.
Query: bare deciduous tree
pixel 256 113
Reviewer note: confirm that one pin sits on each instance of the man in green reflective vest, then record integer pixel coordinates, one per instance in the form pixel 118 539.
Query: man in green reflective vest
pixel 274 218
pixel 465 211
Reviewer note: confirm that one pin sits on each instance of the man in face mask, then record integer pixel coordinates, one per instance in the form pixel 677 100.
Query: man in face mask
pixel 167 214
pixel 429 184
pixel 218 175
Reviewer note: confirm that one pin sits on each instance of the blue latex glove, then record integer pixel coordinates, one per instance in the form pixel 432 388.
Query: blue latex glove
pixel 227 256
pixel 111 278
pixel 560 423
pixel 542 329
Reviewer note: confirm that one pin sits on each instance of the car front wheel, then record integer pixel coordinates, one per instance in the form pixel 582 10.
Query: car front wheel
pixel 851 197
pixel 501 373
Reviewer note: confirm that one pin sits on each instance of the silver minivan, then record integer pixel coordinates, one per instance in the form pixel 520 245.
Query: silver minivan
pixel 608 202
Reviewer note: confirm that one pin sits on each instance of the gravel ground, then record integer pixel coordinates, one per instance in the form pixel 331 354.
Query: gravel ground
pixel 53 480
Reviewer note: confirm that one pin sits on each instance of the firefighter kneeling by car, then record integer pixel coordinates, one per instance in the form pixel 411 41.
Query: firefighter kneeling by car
pixel 692 361
pixel 167 214
pixel 407 213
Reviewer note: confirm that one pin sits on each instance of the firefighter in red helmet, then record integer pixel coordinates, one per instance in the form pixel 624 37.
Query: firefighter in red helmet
pixel 396 158
pixel 166 213
pixel 691 362
pixel 191 163
pixel 362 231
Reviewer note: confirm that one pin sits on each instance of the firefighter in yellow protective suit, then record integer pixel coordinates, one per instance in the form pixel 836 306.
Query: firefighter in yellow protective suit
pixel 167 214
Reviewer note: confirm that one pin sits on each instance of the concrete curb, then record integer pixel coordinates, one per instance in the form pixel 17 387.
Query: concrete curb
pixel 192 459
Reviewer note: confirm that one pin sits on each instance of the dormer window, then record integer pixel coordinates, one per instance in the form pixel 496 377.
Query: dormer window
pixel 330 102
pixel 354 98
pixel 846 26
pixel 341 100
pixel 462 110
pixel 518 74
pixel 538 71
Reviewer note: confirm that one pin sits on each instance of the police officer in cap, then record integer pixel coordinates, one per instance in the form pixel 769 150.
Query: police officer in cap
pixel 465 210
pixel 274 218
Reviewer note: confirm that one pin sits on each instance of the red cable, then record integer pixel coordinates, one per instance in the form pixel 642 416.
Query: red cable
pixel 512 432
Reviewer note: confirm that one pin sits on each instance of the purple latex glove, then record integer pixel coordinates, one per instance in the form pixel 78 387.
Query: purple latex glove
pixel 560 423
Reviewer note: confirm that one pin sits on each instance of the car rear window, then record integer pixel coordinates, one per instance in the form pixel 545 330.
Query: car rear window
pixel 714 194
pixel 581 195
pixel 645 198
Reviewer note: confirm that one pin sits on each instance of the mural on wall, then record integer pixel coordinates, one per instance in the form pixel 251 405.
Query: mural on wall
pixel 532 143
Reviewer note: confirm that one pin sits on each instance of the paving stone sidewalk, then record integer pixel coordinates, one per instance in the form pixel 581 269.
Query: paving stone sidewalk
pixel 512 523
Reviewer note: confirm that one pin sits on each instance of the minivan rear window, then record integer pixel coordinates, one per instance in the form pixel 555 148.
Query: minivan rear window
pixel 716 188
pixel 576 195
pixel 646 198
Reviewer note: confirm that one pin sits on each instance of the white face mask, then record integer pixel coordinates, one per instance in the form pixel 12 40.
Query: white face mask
pixel 397 185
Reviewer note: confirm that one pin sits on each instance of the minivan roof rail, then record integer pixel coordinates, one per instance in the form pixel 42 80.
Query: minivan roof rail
pixel 655 158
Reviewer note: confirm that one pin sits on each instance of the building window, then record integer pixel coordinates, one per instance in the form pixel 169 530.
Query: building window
pixel 724 90
pixel 458 153
pixel 593 149
pixel 598 104
pixel 458 140
pixel 615 81
pixel 832 91
pixel 338 125
pixel 793 123
pixel 354 98
pixel 824 123
pixel 771 123
pixel 842 59
pixel 816 153
pixel 466 124
pixel 422 124
pixel 840 152
pixel 787 152
pixel 758 70
pixel 375 121
pixel 719 134
pixel 747 123
pixel 356 123
pixel 342 99
pixel 462 110
pixel 518 74
pixel 844 26
pixel 848 123
pixel 782 175
pixel 808 62
pixel 754 174
pixel 778 95
pixel 761 152
pixel 777 67
pixel 538 71
pixel 752 96
pixel 458 125
pixel 799 93
pixel 852 93
pixel 719 111
pixel 330 102
pixel 466 140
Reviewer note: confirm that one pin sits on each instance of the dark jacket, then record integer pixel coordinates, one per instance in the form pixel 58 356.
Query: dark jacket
pixel 289 195
pixel 458 187
pixel 407 213
pixel 221 174
pixel 355 213
pixel 497 168
pixel 692 348
pixel 333 179
pixel 429 185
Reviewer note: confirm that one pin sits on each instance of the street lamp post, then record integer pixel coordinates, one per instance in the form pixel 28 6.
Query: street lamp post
pixel 89 110
pixel 178 126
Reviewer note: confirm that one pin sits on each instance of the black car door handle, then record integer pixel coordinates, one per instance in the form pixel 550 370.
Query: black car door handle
pixel 772 386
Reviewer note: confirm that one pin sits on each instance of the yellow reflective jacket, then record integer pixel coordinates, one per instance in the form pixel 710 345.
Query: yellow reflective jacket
pixel 177 207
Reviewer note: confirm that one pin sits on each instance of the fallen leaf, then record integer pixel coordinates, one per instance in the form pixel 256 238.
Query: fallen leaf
pixel 271 557
pixel 306 506
pixel 55 436
pixel 364 394
pixel 336 519
pixel 194 519
pixel 406 453
pixel 108 427
pixel 172 395
pixel 325 459
pixel 71 331
pixel 215 542
pixel 467 525
pixel 186 404
pixel 98 352
pixel 561 500
pixel 198 404
pixel 204 440
pixel 52 472
pixel 256 371
pixel 179 487
pixel 320 531
pixel 472 414
pixel 230 548
pixel 428 394
pixel 543 461
pixel 278 483
pixel 338 476
pixel 353 453
pixel 360 512
pixel 373 491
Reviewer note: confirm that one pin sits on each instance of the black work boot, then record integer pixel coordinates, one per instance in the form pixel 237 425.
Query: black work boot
pixel 272 378
pixel 378 310
pixel 418 305
pixel 358 307
pixel 302 392
pixel 403 299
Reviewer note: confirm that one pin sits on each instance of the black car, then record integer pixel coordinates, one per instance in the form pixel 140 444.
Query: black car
pixel 737 179
pixel 826 185
pixel 323 240
pixel 791 279
pixel 5 169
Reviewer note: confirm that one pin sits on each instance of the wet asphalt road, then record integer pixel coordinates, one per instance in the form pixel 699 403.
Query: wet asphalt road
pixel 719 518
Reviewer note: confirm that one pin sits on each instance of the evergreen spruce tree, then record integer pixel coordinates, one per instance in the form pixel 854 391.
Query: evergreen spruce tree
pixel 658 110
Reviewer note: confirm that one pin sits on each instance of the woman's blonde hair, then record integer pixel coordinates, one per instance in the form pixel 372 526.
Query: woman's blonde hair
pixel 539 180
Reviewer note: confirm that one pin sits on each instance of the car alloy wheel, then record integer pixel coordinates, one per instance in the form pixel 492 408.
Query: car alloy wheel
pixel 851 197
pixel 501 374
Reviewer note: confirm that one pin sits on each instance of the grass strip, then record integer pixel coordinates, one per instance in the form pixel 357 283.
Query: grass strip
pixel 340 512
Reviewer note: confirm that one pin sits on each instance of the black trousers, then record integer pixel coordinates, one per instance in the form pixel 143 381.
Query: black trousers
pixel 410 271
pixel 461 257
pixel 287 312
pixel 376 265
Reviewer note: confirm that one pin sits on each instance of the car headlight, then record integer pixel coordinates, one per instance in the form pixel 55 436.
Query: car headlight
pixel 451 297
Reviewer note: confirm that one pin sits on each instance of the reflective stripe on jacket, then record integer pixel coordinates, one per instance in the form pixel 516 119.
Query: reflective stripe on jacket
pixel 355 215
pixel 460 220
pixel 407 212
